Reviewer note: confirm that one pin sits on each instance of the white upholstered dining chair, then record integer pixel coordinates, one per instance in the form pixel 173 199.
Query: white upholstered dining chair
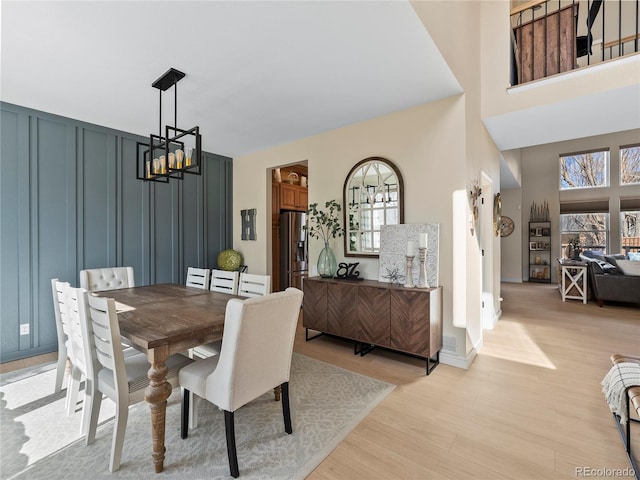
pixel 255 357
pixel 109 278
pixel 252 285
pixel 122 379
pixel 198 277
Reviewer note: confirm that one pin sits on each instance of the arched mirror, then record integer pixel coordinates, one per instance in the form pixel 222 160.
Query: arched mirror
pixel 373 197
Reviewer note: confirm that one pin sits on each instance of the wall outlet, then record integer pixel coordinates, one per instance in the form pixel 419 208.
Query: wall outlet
pixel 24 329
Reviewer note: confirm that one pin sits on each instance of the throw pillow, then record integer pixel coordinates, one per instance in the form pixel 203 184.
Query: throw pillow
pixel 630 267
pixel 613 258
pixel 634 255
pixel 593 254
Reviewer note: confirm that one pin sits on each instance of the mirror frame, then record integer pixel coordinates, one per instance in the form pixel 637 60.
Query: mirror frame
pixel 345 201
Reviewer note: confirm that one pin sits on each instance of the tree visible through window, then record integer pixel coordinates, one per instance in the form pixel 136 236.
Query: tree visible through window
pixel 630 165
pixel 591 228
pixel 584 170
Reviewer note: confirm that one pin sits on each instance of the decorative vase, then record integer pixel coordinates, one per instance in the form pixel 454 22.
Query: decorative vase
pixel 569 251
pixel 327 264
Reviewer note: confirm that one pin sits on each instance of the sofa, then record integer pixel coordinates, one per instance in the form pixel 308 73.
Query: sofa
pixel 614 278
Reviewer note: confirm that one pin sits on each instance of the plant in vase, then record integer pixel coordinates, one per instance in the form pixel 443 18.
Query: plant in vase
pixel 325 224
pixel 573 248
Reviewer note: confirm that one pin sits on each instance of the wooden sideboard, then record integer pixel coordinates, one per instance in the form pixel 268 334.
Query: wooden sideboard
pixel 372 313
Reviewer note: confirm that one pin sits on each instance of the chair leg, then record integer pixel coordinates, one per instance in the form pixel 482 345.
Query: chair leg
pixel 184 413
pixel 60 369
pixel 119 428
pixel 231 443
pixel 286 410
pixel 91 413
pixel 194 401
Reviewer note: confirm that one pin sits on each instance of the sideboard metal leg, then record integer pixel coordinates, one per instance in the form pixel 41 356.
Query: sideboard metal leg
pixel 307 337
pixel 435 363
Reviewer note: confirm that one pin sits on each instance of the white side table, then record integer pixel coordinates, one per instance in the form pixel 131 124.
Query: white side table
pixel 574 274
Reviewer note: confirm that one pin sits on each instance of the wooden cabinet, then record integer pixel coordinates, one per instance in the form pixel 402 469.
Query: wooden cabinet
pixel 376 314
pixel 293 197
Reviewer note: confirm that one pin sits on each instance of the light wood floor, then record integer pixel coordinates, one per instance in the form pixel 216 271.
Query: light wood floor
pixel 529 407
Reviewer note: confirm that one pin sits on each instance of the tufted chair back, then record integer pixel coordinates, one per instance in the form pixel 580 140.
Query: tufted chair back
pixel 111 278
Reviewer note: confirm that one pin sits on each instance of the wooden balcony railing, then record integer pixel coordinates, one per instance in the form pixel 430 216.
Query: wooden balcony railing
pixel 555 36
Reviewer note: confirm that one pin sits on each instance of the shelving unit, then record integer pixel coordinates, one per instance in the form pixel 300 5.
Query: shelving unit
pixel 540 251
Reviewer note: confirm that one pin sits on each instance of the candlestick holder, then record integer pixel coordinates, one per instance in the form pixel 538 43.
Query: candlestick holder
pixel 409 275
pixel 422 280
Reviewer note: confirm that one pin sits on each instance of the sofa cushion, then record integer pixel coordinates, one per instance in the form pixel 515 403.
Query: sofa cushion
pixel 601 267
pixel 630 267
pixel 614 257
pixel 597 254
pixel 633 255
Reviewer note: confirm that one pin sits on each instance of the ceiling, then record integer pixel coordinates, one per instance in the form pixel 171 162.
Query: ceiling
pixel 258 74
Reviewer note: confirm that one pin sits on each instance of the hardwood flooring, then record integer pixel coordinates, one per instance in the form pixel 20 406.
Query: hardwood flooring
pixel 529 407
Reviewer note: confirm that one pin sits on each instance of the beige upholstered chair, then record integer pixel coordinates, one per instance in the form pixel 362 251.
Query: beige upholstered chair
pixel 255 357
pixel 110 278
pixel 198 277
pixel 224 281
pixel 63 336
pixel 254 285
pixel 110 373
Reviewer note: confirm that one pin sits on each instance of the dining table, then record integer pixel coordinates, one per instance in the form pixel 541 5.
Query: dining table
pixel 163 320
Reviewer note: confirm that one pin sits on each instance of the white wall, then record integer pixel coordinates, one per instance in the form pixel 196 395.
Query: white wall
pixel 511 246
pixel 441 149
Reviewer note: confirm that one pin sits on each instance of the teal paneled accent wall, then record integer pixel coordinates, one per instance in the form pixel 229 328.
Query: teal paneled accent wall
pixel 70 200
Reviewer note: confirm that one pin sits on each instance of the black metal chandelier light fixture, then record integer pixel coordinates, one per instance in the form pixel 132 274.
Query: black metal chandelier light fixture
pixel 176 152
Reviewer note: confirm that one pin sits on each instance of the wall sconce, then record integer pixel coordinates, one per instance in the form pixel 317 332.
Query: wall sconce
pixel 178 151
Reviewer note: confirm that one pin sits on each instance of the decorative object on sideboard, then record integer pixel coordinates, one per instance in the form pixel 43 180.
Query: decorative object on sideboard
pixel 373 189
pixel 409 264
pixel 422 258
pixel 248 224
pixel 393 275
pixel 229 260
pixel 172 146
pixel 292 178
pixel 539 213
pixel 393 251
pixel 347 271
pixel 325 225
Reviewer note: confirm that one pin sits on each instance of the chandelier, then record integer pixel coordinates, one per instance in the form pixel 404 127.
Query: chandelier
pixel 176 152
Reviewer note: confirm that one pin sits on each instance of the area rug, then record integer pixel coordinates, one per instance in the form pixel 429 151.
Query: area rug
pixel 38 441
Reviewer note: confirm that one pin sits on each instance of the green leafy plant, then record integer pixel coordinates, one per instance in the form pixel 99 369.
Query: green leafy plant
pixel 325 224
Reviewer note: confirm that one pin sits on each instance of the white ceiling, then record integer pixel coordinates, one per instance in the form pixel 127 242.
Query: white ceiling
pixel 259 74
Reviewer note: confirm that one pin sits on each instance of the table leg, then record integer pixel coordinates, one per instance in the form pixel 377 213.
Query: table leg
pixel 156 395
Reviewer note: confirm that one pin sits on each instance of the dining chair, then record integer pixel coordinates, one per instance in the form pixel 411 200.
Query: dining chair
pixel 224 281
pixel 110 278
pixel 256 357
pixel 198 277
pixel 69 316
pixel 122 379
pixel 252 285
pixel 63 337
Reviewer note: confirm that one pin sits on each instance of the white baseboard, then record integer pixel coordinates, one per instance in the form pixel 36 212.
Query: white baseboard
pixel 511 280
pixel 457 360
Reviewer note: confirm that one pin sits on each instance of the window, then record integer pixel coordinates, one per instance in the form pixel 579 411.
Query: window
pixel 584 170
pixel 591 229
pixel 630 165
pixel 630 231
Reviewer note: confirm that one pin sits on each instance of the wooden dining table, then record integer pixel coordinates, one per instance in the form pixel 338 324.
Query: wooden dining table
pixel 162 320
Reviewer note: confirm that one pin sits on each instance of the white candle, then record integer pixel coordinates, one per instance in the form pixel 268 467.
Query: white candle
pixel 424 240
pixel 410 248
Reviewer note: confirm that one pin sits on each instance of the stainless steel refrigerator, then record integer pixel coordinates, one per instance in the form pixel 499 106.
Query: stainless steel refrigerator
pixel 293 249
